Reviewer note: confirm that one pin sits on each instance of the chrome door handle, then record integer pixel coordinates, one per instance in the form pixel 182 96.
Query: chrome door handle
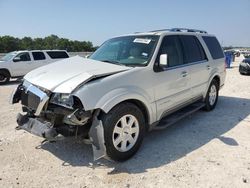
pixel 184 74
pixel 208 67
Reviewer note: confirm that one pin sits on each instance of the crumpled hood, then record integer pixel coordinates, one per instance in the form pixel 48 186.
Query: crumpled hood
pixel 65 75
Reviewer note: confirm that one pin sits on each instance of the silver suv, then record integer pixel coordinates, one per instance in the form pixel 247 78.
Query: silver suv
pixel 130 85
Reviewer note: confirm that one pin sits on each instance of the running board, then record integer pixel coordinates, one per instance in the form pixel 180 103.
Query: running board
pixel 178 115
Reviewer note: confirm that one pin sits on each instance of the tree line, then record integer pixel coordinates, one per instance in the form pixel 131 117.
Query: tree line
pixel 9 43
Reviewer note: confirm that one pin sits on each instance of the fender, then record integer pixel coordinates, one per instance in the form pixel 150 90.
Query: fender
pixel 118 95
pixel 214 73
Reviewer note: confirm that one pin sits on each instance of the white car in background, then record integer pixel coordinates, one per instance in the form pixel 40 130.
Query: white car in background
pixel 18 63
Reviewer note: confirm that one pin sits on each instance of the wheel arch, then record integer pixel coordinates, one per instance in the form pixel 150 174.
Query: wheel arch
pixel 216 77
pixel 6 71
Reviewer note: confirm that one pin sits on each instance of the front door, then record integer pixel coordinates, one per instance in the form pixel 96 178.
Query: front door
pixel 172 82
pixel 21 64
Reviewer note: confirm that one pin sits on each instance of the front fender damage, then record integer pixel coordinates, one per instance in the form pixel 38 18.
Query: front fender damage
pixel 96 135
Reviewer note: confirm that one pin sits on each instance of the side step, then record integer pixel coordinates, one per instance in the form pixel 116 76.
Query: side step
pixel 178 115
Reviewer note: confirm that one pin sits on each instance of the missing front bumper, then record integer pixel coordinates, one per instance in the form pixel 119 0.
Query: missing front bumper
pixel 36 127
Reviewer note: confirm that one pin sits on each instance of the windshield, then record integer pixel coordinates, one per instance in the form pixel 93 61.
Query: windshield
pixel 8 56
pixel 128 50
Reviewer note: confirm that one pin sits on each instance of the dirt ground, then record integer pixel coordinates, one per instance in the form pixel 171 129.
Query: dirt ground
pixel 207 149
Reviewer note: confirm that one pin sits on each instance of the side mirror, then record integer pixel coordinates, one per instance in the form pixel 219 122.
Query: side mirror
pixel 164 60
pixel 16 59
pixel 87 56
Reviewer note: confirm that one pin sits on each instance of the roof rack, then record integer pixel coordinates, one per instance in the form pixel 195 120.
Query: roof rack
pixel 181 30
pixel 187 30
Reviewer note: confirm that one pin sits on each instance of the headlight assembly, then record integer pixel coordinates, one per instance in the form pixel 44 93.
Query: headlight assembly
pixel 62 99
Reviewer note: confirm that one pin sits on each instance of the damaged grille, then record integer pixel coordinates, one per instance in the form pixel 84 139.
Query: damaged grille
pixel 30 100
pixel 33 97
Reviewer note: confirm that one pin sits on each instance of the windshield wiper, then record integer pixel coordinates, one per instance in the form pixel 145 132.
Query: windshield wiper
pixel 113 62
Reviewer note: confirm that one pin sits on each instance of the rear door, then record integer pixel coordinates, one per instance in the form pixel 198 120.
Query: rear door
pixel 199 67
pixel 39 60
pixel 172 82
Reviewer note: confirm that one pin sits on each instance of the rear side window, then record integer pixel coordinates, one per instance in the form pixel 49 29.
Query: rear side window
pixel 213 47
pixel 57 54
pixel 193 51
pixel 38 55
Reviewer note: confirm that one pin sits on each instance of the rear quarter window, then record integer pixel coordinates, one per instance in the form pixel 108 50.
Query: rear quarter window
pixel 213 47
pixel 57 54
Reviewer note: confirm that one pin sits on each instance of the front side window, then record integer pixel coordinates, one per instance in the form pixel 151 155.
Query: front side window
pixel 128 50
pixel 38 56
pixel 172 47
pixel 24 56
pixel 193 51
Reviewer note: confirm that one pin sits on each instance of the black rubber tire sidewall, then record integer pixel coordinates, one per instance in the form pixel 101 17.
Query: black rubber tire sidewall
pixel 6 76
pixel 208 106
pixel 109 121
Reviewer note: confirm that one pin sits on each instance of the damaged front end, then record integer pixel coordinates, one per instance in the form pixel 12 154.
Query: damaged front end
pixel 51 115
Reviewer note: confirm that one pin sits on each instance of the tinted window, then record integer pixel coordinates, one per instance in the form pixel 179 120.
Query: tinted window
pixel 38 55
pixel 213 47
pixel 172 47
pixel 57 54
pixel 193 50
pixel 24 56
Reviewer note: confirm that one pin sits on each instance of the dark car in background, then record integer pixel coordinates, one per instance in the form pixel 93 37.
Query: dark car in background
pixel 244 67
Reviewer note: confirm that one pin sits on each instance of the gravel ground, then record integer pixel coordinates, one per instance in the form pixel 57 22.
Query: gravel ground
pixel 204 150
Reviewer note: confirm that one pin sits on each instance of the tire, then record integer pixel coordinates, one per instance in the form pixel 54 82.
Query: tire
pixel 211 96
pixel 4 77
pixel 123 139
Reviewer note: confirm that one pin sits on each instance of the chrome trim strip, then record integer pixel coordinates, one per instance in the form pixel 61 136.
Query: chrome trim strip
pixel 43 98
pixel 185 65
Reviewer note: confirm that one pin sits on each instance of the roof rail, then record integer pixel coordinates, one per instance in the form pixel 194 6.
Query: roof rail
pixel 181 30
pixel 160 30
pixel 187 30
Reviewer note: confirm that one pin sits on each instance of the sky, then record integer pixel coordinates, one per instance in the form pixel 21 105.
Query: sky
pixel 97 21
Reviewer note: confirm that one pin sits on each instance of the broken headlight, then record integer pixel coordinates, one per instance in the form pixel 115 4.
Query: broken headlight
pixel 62 99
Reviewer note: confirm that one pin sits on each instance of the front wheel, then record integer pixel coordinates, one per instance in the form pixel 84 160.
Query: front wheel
pixel 212 96
pixel 124 128
pixel 4 78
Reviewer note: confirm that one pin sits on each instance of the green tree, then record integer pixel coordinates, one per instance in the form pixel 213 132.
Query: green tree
pixel 26 43
pixel 9 43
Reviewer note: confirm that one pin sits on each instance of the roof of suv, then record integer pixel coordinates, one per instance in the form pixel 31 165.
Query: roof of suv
pixel 173 30
pixel 39 51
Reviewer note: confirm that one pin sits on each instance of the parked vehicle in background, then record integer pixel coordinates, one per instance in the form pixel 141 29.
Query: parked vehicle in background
pixel 18 63
pixel 244 67
pixel 130 85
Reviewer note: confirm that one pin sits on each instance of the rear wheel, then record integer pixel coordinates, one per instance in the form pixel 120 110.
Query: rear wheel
pixel 124 128
pixel 4 77
pixel 212 96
